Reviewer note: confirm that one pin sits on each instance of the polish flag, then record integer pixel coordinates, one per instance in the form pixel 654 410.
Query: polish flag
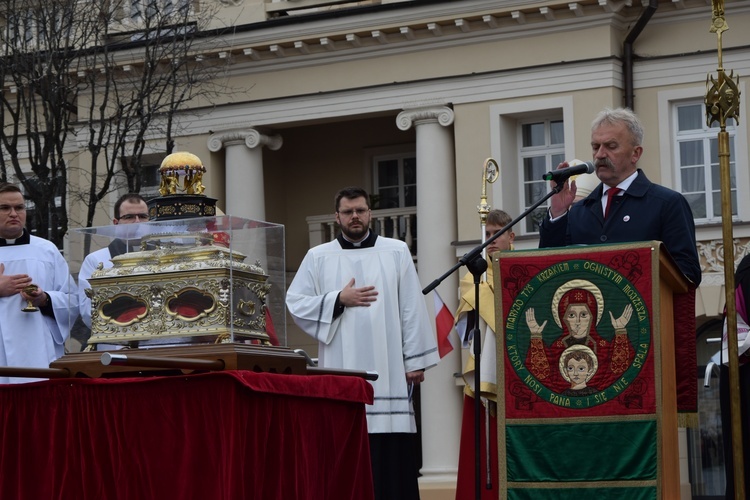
pixel 444 325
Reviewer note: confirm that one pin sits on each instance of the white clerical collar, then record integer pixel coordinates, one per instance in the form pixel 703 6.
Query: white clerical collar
pixel 356 243
pixel 10 242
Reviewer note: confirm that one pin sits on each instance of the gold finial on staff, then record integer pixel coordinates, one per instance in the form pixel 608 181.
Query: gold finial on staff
pixel 490 173
pixel 722 104
pixel 722 94
pixel 718 23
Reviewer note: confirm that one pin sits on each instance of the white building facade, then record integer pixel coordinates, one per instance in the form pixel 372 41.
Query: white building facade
pixel 408 98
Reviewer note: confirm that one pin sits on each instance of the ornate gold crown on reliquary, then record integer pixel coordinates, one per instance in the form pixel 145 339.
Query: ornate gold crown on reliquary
pixel 181 189
pixel 186 286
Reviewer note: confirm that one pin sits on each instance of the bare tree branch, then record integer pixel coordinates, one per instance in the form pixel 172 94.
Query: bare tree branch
pixel 74 76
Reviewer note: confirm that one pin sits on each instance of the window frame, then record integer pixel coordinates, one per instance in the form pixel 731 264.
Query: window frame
pixel 402 186
pixel 31 210
pixel 385 226
pixel 505 145
pixel 140 12
pixel 147 191
pixel 706 137
pixel 550 152
pixel 668 160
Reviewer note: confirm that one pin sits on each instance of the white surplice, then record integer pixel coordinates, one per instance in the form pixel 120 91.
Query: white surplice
pixel 31 339
pixel 392 336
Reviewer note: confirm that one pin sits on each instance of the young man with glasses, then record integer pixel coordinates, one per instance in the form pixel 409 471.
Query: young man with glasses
pixel 35 322
pixel 130 208
pixel 360 297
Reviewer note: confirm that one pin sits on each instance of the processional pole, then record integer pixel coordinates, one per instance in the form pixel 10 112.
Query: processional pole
pixel 490 173
pixel 722 104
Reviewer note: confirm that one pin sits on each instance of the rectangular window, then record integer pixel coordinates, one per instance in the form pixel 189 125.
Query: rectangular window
pixel 542 149
pixel 395 187
pixel 150 180
pixel 148 171
pixel 21 28
pixel 56 211
pixel 697 158
pixel 153 11
pixel 395 179
pixel 47 26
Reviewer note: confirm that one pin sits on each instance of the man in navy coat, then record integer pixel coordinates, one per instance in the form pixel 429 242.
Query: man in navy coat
pixel 640 211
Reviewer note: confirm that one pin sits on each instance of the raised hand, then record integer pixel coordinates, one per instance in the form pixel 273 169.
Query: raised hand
pixel 622 321
pixel 561 202
pixel 534 327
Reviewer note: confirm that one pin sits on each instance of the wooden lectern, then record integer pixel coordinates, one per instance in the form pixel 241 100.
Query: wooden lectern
pixel 587 367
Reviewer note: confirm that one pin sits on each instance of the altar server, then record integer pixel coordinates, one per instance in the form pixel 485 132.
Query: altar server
pixel 360 297
pixel 35 322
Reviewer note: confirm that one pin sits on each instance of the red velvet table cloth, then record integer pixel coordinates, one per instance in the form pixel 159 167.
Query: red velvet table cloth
pixel 221 435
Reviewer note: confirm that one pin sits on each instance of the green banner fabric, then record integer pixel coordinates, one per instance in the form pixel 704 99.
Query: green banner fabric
pixel 587 451
pixel 614 493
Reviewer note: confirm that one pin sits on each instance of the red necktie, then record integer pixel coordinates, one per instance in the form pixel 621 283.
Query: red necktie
pixel 611 193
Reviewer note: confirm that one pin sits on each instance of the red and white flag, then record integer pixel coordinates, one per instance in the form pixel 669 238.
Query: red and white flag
pixel 444 325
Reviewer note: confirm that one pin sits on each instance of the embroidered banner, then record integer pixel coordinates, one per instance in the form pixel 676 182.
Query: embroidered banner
pixel 578 334
pixel 579 365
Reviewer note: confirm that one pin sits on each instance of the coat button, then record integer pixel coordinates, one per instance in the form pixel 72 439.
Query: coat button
pixel 603 238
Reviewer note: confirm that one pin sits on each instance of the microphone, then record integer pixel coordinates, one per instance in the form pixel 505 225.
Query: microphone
pixel 561 174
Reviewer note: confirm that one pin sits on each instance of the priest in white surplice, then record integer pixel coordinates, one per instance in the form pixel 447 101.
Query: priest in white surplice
pixel 360 297
pixel 31 339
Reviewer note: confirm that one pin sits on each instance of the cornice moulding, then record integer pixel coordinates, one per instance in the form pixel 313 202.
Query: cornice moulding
pixel 301 44
pixel 395 98
pixel 463 89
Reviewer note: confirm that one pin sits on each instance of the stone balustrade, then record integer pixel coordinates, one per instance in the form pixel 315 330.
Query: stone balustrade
pixel 399 223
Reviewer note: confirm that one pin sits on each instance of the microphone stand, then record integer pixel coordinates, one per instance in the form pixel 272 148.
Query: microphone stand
pixel 477 265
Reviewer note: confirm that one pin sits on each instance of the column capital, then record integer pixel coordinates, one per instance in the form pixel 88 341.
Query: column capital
pixel 252 138
pixel 416 116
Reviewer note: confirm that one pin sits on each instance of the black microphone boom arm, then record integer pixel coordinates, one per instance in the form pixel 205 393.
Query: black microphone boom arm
pixel 477 251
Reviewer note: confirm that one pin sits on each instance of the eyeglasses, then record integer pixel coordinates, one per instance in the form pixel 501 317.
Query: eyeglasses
pixel 351 211
pixel 131 217
pixel 6 209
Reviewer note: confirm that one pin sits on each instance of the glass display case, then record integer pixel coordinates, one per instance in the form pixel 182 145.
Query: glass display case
pixel 183 281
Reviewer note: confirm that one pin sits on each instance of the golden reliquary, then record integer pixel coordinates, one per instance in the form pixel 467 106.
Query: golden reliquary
pixel 179 288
